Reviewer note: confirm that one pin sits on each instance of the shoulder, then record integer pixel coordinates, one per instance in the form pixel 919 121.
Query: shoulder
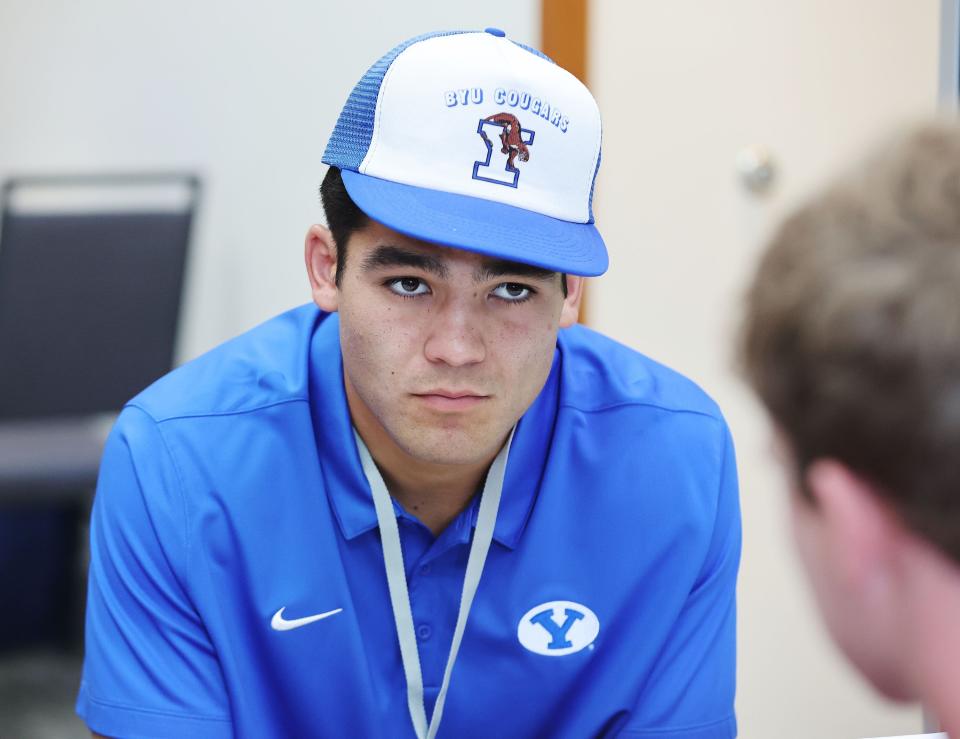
pixel 659 454
pixel 262 367
pixel 600 374
pixel 211 434
pixel 648 418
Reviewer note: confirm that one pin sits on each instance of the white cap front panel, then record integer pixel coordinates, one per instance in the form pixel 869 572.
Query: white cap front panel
pixel 516 129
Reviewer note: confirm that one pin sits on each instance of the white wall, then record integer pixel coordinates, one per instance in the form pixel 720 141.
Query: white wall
pixel 246 93
pixel 683 85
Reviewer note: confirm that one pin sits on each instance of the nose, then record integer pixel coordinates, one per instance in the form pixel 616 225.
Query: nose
pixel 455 337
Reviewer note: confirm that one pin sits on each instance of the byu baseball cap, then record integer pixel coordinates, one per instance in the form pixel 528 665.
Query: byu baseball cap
pixel 471 140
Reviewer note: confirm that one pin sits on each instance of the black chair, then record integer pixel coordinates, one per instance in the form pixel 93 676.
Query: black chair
pixel 91 279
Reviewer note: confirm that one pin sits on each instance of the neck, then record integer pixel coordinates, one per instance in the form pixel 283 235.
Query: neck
pixel 935 645
pixel 435 493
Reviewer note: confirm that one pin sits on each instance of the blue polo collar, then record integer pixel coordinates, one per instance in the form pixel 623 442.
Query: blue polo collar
pixel 345 482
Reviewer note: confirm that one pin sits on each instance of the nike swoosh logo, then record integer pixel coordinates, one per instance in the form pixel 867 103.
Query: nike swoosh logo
pixel 279 623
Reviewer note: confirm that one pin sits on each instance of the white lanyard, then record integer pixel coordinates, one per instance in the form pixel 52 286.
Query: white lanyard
pixel 397 581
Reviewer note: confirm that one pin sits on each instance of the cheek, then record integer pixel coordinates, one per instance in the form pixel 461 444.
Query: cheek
pixel 536 321
pixel 373 342
pixel 832 601
pixel 810 550
pixel 525 350
pixel 803 528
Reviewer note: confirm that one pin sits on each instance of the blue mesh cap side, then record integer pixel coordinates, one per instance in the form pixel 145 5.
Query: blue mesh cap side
pixel 351 136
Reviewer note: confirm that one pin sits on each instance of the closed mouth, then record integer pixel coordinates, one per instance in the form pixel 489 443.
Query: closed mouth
pixel 451 400
pixel 453 394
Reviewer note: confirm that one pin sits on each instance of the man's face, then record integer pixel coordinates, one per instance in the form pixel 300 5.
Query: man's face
pixel 444 349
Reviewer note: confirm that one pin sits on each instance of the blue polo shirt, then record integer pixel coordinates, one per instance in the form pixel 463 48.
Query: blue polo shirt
pixel 232 488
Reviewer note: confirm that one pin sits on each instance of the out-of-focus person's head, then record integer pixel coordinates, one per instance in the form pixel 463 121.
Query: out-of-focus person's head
pixel 852 341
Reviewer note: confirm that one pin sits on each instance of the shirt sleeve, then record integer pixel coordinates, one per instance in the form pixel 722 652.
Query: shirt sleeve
pixel 691 690
pixel 149 669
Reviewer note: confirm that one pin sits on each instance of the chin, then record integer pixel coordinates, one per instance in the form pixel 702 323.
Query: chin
pixel 448 446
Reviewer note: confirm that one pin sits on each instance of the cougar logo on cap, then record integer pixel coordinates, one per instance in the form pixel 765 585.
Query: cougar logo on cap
pixel 514 142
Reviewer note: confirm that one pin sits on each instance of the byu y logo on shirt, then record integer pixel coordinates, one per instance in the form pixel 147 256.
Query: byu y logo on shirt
pixel 515 142
pixel 558 628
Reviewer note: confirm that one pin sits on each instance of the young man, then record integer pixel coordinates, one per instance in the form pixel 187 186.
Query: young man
pixel 424 502
pixel 852 340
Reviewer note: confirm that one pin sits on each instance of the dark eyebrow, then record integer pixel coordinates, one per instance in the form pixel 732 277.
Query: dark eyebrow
pixel 492 268
pixel 393 256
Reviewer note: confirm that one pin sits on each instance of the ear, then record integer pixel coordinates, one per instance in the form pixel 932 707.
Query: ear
pixel 320 254
pixel 861 532
pixel 571 304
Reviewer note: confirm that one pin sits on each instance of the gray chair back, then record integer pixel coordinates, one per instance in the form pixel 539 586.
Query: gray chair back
pixel 89 300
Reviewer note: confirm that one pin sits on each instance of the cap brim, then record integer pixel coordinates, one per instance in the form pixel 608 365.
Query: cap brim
pixel 482 226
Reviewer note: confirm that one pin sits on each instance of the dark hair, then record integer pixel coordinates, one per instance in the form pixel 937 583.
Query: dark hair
pixel 344 217
pixel 852 331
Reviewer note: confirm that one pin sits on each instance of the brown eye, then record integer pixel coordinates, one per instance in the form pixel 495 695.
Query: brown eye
pixel 512 292
pixel 408 286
